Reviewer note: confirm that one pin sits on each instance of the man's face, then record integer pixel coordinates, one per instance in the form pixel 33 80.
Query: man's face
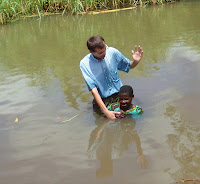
pixel 99 53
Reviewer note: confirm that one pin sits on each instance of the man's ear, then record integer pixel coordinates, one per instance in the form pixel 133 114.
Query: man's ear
pixel 132 96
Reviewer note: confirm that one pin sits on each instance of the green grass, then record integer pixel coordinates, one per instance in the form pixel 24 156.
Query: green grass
pixel 14 9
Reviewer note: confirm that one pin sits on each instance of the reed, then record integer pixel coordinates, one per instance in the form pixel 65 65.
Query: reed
pixel 14 9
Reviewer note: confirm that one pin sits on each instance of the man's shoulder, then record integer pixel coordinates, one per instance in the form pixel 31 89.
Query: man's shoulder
pixel 85 60
pixel 112 49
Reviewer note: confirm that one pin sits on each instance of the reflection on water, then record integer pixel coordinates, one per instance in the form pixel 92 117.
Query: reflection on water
pixel 110 139
pixel 185 145
pixel 41 81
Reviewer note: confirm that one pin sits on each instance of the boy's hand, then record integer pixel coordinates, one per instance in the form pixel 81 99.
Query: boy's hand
pixel 120 115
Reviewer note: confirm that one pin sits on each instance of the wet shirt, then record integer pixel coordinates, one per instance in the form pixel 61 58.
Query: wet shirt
pixel 103 74
pixel 136 110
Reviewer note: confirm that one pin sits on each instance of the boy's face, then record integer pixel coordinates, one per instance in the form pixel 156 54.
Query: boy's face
pixel 125 101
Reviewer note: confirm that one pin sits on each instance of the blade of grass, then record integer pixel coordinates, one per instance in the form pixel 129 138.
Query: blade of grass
pixel 38 11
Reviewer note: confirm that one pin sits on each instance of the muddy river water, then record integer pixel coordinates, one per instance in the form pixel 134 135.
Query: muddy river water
pixel 48 131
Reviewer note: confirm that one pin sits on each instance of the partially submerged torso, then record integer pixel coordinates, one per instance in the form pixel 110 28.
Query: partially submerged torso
pixel 134 110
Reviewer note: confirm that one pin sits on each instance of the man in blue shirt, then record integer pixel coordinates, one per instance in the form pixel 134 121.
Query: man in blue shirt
pixel 100 71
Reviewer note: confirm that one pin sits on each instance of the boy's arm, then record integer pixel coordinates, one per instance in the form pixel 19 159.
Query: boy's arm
pixel 97 97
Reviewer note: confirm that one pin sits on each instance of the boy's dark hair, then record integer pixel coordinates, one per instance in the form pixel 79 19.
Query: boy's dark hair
pixel 126 89
pixel 95 42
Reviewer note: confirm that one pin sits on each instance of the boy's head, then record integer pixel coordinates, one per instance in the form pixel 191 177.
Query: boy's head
pixel 97 46
pixel 125 97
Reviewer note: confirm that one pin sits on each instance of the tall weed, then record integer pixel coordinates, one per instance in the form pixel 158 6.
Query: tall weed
pixel 14 9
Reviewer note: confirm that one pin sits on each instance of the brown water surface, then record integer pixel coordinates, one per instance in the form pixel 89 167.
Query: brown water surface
pixel 41 85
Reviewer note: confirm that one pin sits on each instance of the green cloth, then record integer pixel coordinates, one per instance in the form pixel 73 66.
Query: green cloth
pixel 116 107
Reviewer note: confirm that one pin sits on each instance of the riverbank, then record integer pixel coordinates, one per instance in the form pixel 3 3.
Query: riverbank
pixel 11 10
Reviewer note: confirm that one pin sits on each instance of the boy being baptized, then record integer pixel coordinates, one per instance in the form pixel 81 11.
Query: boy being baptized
pixel 125 105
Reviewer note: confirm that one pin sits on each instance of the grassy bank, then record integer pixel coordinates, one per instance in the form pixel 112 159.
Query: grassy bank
pixel 15 9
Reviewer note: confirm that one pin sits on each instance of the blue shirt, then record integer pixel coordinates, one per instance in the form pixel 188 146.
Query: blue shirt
pixel 103 74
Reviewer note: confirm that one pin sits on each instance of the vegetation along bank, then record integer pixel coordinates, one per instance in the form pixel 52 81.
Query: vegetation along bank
pixel 15 9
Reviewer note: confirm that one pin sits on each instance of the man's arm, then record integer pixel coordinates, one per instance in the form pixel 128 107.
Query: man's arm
pixel 97 97
pixel 137 56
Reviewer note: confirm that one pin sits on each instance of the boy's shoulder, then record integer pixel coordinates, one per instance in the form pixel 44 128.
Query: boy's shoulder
pixel 114 107
pixel 135 110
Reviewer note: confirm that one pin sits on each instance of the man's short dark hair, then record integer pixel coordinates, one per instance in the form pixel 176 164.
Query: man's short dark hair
pixel 126 89
pixel 95 42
